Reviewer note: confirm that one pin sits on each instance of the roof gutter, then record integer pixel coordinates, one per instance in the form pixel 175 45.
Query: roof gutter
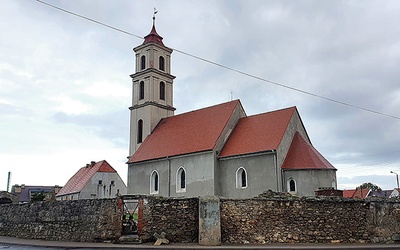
pixel 169 176
pixel 276 170
pixel 272 151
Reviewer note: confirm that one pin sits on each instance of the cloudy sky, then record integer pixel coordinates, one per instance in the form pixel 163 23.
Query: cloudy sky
pixel 65 87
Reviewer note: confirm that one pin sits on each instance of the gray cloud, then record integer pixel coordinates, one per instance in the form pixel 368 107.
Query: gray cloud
pixel 347 51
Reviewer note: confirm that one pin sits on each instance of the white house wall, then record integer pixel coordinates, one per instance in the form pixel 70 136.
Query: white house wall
pixel 94 190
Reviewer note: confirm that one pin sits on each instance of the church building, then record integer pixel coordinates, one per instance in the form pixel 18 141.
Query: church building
pixel 216 150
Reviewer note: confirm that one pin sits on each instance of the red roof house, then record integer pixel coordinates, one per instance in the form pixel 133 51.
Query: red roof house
pixel 95 180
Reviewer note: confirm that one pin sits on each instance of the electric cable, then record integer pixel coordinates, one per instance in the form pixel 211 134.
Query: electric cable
pixel 232 69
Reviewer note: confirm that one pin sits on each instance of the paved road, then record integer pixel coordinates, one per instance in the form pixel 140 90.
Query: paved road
pixel 11 243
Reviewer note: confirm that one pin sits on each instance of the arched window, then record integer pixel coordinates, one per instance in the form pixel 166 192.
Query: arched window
pixel 154 182
pixel 141 90
pixel 162 90
pixel 292 185
pixel 142 62
pixel 181 180
pixel 161 63
pixel 140 131
pixel 241 178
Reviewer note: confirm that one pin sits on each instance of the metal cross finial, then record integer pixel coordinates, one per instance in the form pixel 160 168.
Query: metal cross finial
pixel 154 15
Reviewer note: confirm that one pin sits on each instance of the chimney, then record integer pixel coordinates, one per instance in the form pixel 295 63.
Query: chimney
pixel 92 163
pixel 87 165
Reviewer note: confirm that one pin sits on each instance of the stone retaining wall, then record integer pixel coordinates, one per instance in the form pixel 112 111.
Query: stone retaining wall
pixel 79 220
pixel 177 217
pixel 309 220
pixel 261 220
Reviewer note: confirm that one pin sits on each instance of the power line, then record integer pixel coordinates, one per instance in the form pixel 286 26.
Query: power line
pixel 231 69
pixel 89 19
pixel 366 156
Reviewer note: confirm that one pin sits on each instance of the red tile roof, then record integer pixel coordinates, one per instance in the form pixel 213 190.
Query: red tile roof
pixel 356 193
pixel 302 155
pixel 258 133
pixel 190 132
pixel 153 37
pixel 83 176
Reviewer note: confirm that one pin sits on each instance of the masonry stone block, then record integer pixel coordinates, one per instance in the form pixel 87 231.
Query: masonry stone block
pixel 209 221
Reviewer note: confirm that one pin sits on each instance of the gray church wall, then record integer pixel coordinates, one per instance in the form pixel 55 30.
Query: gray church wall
pixel 140 173
pixel 230 126
pixel 199 168
pixel 294 125
pixel 308 181
pixel 261 175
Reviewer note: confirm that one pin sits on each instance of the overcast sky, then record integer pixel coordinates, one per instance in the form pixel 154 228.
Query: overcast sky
pixel 65 87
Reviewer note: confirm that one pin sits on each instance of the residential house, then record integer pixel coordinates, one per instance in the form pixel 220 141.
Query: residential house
pixel 25 193
pixel 381 193
pixel 96 180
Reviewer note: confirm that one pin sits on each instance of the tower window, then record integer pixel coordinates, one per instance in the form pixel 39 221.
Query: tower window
pixel 241 178
pixel 181 180
pixel 162 90
pixel 141 90
pixel 154 182
pixel 142 62
pixel 140 131
pixel 161 62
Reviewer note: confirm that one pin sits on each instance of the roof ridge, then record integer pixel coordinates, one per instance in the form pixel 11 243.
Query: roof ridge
pixel 272 111
pixel 200 109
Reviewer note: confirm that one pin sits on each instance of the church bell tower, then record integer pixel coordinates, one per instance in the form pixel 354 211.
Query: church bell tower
pixel 152 96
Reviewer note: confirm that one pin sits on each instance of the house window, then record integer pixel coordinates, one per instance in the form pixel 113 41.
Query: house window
pixel 334 184
pixel 292 185
pixel 140 131
pixel 161 63
pixel 241 178
pixel 162 90
pixel 100 182
pixel 142 62
pixel 141 90
pixel 154 182
pixel 181 180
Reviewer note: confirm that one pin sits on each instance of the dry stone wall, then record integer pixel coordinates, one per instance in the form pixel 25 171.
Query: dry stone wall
pixel 79 220
pixel 309 220
pixel 177 217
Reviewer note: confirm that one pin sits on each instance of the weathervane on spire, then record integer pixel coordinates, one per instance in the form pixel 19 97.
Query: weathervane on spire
pixel 154 16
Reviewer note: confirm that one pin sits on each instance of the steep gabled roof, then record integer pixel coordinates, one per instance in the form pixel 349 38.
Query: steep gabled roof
pixel 83 176
pixel 258 133
pixel 190 132
pixel 302 155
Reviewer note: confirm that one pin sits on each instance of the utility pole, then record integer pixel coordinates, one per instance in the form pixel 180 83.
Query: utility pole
pixel 397 179
pixel 8 181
